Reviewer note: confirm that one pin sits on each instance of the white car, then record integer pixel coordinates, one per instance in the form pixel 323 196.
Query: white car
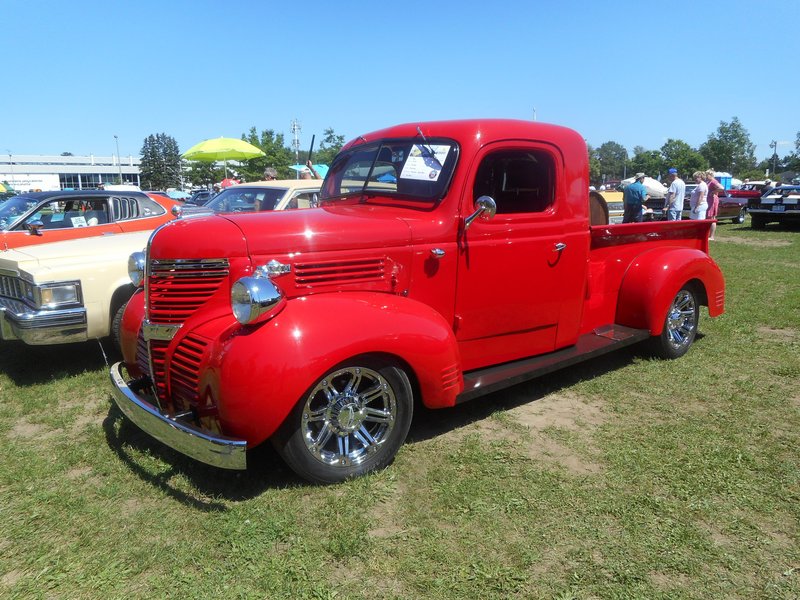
pixel 260 196
pixel 69 291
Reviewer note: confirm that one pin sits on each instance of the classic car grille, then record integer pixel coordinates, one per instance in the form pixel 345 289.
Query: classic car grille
pixel 12 287
pixel 176 288
pixel 341 271
pixel 184 371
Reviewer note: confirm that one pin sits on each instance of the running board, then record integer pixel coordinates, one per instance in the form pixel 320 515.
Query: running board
pixel 601 341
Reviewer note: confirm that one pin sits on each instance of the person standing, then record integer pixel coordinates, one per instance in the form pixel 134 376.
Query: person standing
pixel 673 202
pixel 697 202
pixel 714 188
pixel 634 196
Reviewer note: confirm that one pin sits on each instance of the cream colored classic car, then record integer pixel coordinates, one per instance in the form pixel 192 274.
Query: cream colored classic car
pixel 259 196
pixel 68 291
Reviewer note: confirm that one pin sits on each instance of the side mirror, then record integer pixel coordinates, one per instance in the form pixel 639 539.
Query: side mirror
pixel 34 227
pixel 485 207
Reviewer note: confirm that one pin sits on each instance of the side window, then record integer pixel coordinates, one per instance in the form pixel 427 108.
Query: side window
pixel 519 181
pixel 149 207
pixel 303 200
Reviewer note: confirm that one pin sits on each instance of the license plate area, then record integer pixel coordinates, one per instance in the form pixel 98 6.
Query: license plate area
pixel 778 208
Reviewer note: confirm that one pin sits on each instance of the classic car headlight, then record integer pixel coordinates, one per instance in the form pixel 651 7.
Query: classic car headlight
pixel 255 297
pixel 136 264
pixel 52 296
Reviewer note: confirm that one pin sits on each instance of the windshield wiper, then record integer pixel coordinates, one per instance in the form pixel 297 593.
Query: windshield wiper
pixel 428 148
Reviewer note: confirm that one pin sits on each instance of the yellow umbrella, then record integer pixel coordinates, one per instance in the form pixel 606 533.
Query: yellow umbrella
pixel 223 149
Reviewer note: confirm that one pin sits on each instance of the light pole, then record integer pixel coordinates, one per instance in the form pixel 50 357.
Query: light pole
pixel 11 168
pixel 119 162
pixel 774 146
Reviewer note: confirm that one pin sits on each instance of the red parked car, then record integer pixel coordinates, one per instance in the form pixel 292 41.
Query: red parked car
pixel 40 217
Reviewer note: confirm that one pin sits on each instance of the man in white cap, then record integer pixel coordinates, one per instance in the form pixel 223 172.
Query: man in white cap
pixel 673 201
pixel 634 196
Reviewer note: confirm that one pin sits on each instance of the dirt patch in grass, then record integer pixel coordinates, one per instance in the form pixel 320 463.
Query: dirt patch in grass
pixel 11 578
pixel 780 335
pixel 78 472
pixel 23 430
pixel 755 243
pixel 540 421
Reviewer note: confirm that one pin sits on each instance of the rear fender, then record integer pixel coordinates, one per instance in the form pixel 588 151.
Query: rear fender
pixel 263 371
pixel 654 277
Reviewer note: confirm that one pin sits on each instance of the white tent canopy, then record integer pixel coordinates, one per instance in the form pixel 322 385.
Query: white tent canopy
pixel 654 188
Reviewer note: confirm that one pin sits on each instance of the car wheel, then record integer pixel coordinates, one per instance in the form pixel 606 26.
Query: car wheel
pixel 680 325
pixel 757 222
pixel 353 420
pixel 739 219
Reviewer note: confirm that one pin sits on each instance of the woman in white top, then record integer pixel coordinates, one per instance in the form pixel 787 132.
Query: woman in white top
pixel 698 202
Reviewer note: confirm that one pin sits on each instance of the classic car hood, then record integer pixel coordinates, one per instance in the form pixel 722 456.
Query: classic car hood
pixel 38 259
pixel 322 229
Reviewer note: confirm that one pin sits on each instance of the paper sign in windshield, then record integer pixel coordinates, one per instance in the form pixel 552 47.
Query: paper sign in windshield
pixel 425 162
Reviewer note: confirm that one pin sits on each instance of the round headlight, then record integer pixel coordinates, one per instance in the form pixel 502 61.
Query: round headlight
pixel 252 297
pixel 136 264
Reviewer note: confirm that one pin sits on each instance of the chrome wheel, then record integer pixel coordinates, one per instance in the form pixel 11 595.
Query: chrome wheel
pixel 681 323
pixel 353 420
pixel 348 416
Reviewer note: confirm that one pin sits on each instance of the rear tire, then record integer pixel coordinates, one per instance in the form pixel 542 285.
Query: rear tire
pixel 757 222
pixel 740 218
pixel 680 326
pixel 353 420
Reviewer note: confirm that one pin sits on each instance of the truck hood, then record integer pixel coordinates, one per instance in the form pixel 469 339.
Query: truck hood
pixel 301 231
pixel 39 260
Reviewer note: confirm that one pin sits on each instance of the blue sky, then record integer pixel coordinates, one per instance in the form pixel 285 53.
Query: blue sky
pixel 635 72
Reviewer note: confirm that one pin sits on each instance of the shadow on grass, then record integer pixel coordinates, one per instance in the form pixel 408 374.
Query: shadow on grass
pixel 265 469
pixel 429 423
pixel 33 365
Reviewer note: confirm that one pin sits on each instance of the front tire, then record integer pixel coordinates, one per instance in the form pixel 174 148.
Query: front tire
pixel 680 325
pixel 353 420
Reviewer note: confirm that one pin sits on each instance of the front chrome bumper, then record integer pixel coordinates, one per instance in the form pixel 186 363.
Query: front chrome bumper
pixel 18 321
pixel 218 451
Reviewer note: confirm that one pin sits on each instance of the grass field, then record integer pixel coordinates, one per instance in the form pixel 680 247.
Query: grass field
pixel 626 477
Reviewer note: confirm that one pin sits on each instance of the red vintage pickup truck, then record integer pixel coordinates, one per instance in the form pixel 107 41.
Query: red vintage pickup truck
pixel 447 260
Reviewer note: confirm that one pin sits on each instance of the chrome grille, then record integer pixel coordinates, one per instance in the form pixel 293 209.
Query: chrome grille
pixel 12 287
pixel 177 288
pixel 339 272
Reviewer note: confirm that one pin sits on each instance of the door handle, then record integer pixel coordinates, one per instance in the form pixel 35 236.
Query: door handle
pixel 559 247
pixel 437 252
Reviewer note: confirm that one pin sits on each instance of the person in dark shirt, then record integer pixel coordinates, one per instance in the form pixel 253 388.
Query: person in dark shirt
pixel 634 196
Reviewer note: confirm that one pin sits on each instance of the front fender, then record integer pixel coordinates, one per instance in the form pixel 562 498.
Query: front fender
pixel 655 276
pixel 263 371
pixel 129 329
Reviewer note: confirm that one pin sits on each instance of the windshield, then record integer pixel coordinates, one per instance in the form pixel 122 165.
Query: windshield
pixel 13 208
pixel 410 168
pixel 249 199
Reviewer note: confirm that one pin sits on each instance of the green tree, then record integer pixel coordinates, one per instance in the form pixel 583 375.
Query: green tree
pixel 680 155
pixel 329 147
pixel 277 155
pixel 730 148
pixel 613 159
pixel 203 174
pixel 650 162
pixel 595 176
pixel 160 162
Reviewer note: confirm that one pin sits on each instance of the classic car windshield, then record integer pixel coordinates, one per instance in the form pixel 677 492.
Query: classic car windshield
pixel 13 208
pixel 246 199
pixel 415 168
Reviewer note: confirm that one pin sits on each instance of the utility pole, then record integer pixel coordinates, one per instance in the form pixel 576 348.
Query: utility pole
pixel 119 162
pixel 774 145
pixel 296 143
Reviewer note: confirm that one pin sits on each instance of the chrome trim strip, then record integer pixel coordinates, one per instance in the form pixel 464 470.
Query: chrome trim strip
pixel 222 452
